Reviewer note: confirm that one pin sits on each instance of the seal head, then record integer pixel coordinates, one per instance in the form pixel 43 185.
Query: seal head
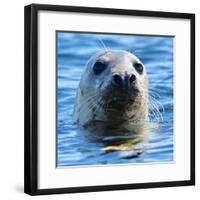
pixel 113 89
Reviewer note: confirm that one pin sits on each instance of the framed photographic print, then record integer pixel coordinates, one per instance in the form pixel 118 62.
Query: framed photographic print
pixel 109 99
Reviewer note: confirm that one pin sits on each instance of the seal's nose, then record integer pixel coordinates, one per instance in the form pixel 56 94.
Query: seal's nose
pixel 125 81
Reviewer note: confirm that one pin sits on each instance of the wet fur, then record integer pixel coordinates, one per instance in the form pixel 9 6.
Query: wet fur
pixel 97 100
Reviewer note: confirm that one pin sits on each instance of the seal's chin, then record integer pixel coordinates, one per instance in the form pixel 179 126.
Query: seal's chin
pixel 119 101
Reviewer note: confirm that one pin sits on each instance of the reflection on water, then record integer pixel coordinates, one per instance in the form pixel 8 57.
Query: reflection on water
pixel 101 144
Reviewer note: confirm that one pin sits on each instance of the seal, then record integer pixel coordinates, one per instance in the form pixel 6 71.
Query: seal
pixel 113 89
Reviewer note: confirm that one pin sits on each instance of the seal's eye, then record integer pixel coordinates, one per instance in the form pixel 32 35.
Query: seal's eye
pixel 99 67
pixel 138 67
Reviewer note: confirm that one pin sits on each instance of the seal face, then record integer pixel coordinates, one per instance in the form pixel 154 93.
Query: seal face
pixel 113 89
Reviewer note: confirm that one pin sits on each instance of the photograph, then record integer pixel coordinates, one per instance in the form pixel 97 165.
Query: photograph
pixel 108 93
pixel 114 99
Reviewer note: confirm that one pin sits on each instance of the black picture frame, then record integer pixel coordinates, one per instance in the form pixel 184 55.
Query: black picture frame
pixel 31 98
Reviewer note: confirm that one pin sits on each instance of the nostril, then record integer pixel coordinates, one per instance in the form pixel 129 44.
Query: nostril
pixel 117 79
pixel 132 78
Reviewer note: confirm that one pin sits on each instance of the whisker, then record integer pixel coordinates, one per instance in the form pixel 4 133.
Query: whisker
pixel 102 43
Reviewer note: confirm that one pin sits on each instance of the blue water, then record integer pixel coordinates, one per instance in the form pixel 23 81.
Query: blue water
pixel 77 146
